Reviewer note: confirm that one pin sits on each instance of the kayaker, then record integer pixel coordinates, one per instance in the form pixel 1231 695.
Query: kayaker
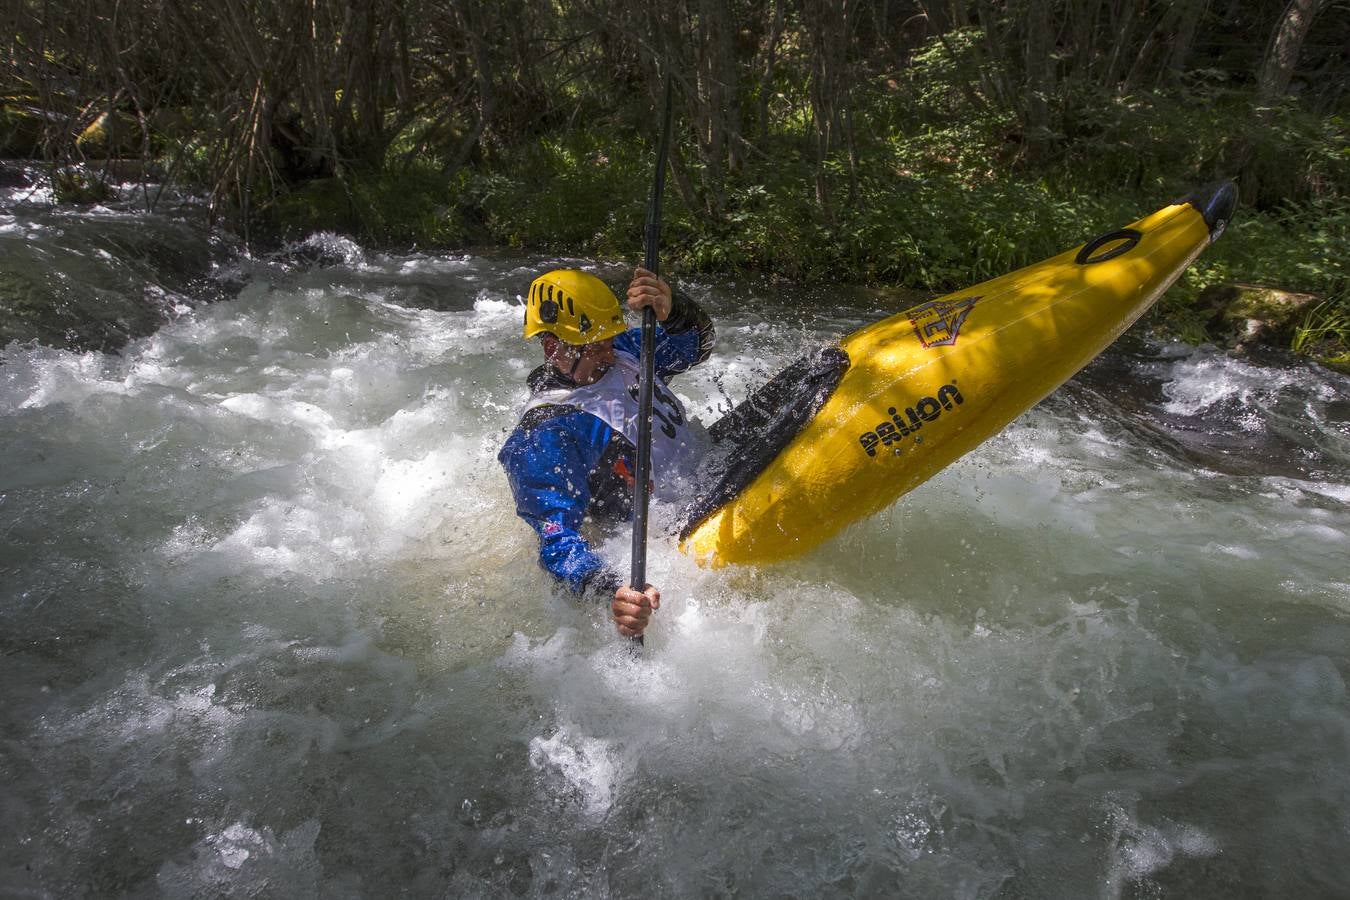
pixel 571 458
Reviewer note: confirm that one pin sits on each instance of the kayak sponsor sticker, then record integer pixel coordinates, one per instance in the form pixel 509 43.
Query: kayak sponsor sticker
pixel 901 425
pixel 938 322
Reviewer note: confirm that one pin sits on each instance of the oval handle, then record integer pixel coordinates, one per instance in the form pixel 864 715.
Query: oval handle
pixel 1129 236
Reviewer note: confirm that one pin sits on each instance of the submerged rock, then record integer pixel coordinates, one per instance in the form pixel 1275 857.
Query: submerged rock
pixel 94 281
pixel 321 250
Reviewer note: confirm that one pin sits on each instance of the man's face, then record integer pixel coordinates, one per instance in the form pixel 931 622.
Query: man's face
pixel 585 364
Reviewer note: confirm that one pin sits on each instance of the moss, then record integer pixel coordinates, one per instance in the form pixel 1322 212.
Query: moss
pixel 1340 362
pixel 79 186
pixel 1271 305
pixel 1249 313
pixel 112 135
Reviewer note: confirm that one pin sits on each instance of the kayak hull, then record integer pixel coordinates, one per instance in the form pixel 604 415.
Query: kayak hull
pixel 928 385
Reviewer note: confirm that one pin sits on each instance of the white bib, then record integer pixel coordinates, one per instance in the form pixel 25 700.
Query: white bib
pixel 613 400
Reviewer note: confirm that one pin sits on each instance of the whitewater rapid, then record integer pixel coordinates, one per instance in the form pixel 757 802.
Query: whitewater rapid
pixel 270 626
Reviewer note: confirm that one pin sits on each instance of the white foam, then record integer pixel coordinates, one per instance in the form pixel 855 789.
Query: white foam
pixel 588 764
pixel 246 859
pixel 274 553
pixel 488 306
pixel 1204 380
pixel 1142 850
pixel 291 412
pixel 1234 551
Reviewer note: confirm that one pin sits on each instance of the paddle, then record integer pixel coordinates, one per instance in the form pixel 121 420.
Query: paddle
pixel 638 575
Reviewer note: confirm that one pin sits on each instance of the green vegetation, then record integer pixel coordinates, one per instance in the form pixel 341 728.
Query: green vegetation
pixel 78 186
pixel 911 143
pixel 1325 333
pixel 414 207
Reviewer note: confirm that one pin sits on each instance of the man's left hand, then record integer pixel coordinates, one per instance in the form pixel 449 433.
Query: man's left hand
pixel 648 289
pixel 632 610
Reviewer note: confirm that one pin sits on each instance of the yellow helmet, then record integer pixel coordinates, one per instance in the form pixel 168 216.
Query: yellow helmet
pixel 575 306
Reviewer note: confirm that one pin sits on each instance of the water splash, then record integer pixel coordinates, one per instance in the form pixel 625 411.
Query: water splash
pixel 269 624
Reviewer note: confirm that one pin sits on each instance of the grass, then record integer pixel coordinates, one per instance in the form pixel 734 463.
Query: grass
pixel 1324 334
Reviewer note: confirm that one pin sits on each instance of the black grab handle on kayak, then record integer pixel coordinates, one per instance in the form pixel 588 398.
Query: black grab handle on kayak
pixel 1128 235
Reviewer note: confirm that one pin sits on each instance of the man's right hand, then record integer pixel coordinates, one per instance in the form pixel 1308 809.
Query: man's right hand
pixel 632 610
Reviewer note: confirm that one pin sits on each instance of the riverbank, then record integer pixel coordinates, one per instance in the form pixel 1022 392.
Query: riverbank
pixel 932 234
pixel 917 151
pixel 936 233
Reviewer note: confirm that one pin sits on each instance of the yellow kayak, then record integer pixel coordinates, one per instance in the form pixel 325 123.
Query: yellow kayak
pixel 843 433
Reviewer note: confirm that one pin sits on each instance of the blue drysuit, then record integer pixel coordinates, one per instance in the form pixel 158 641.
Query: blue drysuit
pixel 565 464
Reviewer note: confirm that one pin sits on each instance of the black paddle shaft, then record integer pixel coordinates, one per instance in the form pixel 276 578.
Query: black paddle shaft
pixel 642 477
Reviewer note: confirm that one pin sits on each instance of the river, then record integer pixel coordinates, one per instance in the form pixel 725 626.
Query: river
pixel 270 626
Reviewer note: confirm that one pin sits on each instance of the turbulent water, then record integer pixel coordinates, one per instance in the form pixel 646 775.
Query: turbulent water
pixel 270 625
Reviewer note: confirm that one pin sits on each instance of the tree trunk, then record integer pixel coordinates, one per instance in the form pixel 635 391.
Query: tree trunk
pixel 766 67
pixel 1278 68
pixel 828 35
pixel 1191 12
pixel 994 78
pixel 482 66
pixel 1082 25
pixel 1272 84
pixel 1040 69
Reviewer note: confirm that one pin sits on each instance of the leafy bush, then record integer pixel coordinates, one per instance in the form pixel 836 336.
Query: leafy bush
pixel 415 206
pixel 581 193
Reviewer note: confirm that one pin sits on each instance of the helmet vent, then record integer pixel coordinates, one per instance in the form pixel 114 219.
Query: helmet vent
pixel 574 306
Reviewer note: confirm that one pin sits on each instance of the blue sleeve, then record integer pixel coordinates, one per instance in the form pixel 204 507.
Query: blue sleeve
pixel 547 467
pixel 675 353
pixel 683 340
